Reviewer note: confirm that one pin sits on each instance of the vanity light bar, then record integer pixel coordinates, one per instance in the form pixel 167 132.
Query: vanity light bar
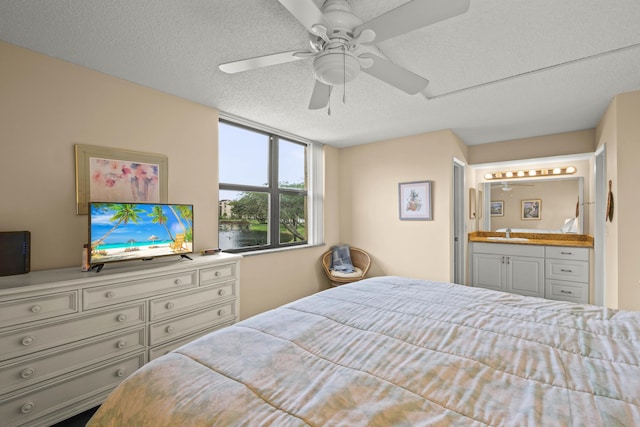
pixel 524 173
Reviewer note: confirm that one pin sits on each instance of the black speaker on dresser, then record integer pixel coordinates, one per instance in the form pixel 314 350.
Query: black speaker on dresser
pixel 15 252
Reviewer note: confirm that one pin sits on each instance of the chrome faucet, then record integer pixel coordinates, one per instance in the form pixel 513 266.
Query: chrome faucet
pixel 508 233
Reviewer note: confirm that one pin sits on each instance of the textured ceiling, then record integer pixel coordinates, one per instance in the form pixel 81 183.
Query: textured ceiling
pixel 506 69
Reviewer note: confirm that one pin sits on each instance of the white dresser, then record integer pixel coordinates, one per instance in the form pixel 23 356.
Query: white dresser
pixel 67 337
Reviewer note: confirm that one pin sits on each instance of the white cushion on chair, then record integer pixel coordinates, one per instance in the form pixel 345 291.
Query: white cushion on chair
pixel 343 275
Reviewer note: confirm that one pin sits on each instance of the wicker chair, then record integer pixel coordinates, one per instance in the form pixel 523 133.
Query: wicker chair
pixel 360 260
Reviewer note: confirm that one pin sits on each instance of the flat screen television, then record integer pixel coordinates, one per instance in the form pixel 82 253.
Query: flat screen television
pixel 130 231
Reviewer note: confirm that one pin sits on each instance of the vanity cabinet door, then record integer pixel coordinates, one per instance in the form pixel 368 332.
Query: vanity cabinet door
pixel 489 271
pixel 525 276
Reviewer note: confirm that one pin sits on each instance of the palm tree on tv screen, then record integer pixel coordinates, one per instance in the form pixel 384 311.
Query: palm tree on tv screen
pixel 158 217
pixel 122 213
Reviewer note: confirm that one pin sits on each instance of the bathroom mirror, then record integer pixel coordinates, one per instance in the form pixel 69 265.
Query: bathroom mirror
pixel 560 204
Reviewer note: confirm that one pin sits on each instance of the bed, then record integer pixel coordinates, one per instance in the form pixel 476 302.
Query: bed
pixel 393 351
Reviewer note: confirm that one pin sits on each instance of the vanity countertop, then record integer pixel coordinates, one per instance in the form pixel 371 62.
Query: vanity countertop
pixel 574 240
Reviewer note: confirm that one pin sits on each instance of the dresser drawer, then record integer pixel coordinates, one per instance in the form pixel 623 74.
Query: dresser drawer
pixel 161 308
pixel 179 326
pixel 28 371
pixel 575 271
pixel 25 408
pixel 163 349
pixel 566 291
pixel 42 307
pixel 113 294
pixel 27 340
pixel 217 274
pixel 568 253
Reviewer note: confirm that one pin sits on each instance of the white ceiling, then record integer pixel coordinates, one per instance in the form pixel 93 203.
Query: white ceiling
pixel 506 69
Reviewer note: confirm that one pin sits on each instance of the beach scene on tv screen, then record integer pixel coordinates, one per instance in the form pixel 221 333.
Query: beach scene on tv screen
pixel 124 231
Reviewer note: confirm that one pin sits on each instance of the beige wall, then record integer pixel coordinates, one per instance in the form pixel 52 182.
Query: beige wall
pixel 560 144
pixel 619 130
pixel 369 213
pixel 47 105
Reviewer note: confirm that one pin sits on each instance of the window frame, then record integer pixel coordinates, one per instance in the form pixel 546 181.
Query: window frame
pixel 274 191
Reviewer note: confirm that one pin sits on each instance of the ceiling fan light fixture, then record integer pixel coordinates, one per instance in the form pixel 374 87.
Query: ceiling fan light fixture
pixel 336 68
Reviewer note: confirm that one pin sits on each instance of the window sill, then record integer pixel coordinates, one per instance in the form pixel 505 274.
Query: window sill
pixel 274 250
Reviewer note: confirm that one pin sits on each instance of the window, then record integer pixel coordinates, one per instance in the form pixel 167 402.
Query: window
pixel 265 187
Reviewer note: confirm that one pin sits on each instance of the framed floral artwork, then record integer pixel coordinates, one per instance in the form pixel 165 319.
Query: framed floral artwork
pixel 114 175
pixel 415 200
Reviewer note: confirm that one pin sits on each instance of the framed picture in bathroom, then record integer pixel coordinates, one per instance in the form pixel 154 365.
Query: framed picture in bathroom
pixel 531 209
pixel 497 208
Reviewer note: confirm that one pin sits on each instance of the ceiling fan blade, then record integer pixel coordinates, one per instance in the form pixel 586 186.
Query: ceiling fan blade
pixel 307 13
pixel 394 75
pixel 320 96
pixel 263 61
pixel 411 16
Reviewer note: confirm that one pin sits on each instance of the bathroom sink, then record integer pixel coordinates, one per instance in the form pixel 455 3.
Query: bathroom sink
pixel 508 239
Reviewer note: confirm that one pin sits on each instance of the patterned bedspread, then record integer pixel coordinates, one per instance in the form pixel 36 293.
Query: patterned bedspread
pixel 393 351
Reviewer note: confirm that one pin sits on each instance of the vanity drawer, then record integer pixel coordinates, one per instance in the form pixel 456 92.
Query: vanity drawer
pixel 575 271
pixel 566 291
pixel 163 349
pixel 23 409
pixel 509 249
pixel 25 372
pixel 217 274
pixel 28 340
pixel 568 253
pixel 113 294
pixel 179 326
pixel 162 308
pixel 38 308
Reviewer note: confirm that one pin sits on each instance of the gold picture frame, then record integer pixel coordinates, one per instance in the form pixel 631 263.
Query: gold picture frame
pixel 531 209
pixel 115 175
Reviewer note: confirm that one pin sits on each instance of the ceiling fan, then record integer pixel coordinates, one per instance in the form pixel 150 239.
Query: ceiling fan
pixel 339 39
pixel 508 186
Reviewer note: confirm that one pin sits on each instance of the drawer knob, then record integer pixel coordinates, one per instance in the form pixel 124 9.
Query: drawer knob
pixel 170 306
pixel 170 329
pixel 27 407
pixel 122 344
pixel 178 282
pixel 566 292
pixel 110 294
pixel 218 273
pixel 566 270
pixel 221 312
pixel 28 340
pixel 27 373
pixel 222 292
pixel 566 253
pixel 121 372
pixel 122 318
pixel 36 309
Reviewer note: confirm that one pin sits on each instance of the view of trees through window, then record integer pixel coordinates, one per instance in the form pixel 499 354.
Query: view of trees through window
pixel 263 190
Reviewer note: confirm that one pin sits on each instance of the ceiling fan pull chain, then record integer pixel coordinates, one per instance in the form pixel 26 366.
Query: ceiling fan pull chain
pixel 329 103
pixel 344 74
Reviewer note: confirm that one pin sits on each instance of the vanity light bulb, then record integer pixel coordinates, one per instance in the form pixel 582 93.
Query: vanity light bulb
pixel 520 173
pixel 556 171
pixel 488 176
pixel 571 169
pixel 509 174
pixel 532 173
